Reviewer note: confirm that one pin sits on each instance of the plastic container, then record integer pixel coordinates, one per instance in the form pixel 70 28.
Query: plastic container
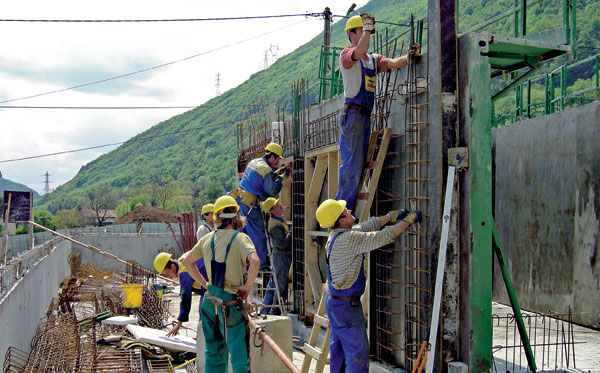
pixel 159 290
pixel 131 294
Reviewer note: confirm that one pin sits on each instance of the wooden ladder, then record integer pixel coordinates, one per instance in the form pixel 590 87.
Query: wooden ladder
pixel 311 350
pixel 371 173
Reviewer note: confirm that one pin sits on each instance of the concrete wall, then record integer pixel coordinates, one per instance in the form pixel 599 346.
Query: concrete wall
pixel 547 208
pixel 141 248
pixel 26 303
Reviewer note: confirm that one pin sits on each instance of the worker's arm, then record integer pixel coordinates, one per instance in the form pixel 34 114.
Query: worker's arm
pixel 185 305
pixel 396 63
pixel 190 264
pixel 254 264
pixel 272 184
pixel 362 47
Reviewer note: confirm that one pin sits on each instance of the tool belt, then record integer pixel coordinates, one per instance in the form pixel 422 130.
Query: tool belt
pixel 355 301
pixel 248 199
pixel 361 109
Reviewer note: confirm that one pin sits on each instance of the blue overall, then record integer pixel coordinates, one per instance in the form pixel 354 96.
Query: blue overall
pixel 187 287
pixel 348 345
pixel 355 128
pixel 238 333
pixel 282 259
pixel 258 179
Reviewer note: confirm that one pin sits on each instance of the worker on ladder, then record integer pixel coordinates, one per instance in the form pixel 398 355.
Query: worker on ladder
pixel 359 91
pixel 258 183
pixel 227 252
pixel 209 224
pixel 345 256
pixel 281 247
pixel 168 267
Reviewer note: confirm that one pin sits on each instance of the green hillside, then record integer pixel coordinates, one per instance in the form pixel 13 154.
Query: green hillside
pixel 6 184
pixel 194 153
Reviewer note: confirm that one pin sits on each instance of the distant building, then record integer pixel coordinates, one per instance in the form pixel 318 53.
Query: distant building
pixel 91 219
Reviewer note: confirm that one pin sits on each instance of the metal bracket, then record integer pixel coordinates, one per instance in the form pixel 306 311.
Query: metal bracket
pixel 459 158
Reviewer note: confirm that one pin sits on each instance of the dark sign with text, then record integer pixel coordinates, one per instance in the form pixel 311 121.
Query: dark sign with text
pixel 20 206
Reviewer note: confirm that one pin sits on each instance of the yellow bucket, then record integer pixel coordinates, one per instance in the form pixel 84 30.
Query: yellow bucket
pixel 131 294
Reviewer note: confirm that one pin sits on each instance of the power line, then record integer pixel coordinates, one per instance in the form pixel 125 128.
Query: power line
pixel 159 20
pixel 149 68
pixel 117 143
pixel 97 107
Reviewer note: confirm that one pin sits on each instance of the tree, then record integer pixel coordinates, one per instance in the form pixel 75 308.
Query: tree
pixel 214 190
pixel 42 217
pixel 162 190
pixel 100 200
pixel 68 219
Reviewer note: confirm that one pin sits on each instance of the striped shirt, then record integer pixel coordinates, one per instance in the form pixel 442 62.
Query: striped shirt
pixel 347 252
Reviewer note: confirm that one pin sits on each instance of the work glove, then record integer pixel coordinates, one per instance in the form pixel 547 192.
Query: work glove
pixel 396 215
pixel 413 217
pixel 368 22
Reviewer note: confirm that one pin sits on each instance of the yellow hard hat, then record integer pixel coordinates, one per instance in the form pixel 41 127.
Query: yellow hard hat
pixel 329 211
pixel 354 22
pixel 161 260
pixel 268 204
pixel 275 148
pixel 207 208
pixel 222 203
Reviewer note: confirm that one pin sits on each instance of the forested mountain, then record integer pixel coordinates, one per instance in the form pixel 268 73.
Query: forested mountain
pixel 6 184
pixel 195 152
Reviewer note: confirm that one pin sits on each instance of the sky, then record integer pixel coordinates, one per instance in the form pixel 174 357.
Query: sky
pixel 41 57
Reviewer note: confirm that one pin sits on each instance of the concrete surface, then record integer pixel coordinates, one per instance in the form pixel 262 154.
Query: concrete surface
pixel 141 248
pixel 547 209
pixel 26 303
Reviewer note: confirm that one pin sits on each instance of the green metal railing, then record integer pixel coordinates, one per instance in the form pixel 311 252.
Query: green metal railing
pixel 557 95
pixel 330 77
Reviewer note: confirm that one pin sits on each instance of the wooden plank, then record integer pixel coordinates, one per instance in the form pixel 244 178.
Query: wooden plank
pixel 315 279
pixel 332 174
pixel 317 233
pixel 311 351
pixel 385 141
pixel 326 149
pixel 320 320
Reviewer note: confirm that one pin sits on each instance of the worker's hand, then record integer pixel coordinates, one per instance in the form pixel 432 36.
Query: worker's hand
pixel 245 289
pixel 368 22
pixel 173 332
pixel 413 217
pixel 414 52
pixel 399 214
pixel 289 168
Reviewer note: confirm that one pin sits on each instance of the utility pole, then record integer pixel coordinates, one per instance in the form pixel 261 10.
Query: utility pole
pixel 274 48
pixel 266 62
pixel 47 183
pixel 218 85
pixel 327 42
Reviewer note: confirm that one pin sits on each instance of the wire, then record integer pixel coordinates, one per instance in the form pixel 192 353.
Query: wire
pixel 98 107
pixel 117 143
pixel 378 21
pixel 159 20
pixel 150 68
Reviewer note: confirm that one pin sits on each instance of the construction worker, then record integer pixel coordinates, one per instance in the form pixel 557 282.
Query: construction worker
pixel 345 255
pixel 226 252
pixel 359 70
pixel 209 224
pixel 258 183
pixel 168 267
pixel 281 250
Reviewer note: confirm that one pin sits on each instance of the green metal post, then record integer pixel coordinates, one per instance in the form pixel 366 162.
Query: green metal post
pixel 529 98
pixel 523 17
pixel 598 71
pixel 563 86
pixel 547 94
pixel 480 202
pixel 573 40
pixel 516 19
pixel 514 302
pixel 552 104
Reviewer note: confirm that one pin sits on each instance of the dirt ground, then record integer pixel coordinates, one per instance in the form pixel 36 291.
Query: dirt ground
pixel 147 214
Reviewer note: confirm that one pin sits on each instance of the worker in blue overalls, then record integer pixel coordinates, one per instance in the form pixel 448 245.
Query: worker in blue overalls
pixel 261 180
pixel 168 267
pixel 359 70
pixel 345 256
pixel 209 224
pixel 227 252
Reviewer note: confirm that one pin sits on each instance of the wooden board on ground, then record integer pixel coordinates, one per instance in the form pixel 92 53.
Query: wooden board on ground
pixel 158 338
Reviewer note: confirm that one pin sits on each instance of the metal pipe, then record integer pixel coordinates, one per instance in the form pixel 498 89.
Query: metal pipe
pixel 276 349
pixel 97 250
